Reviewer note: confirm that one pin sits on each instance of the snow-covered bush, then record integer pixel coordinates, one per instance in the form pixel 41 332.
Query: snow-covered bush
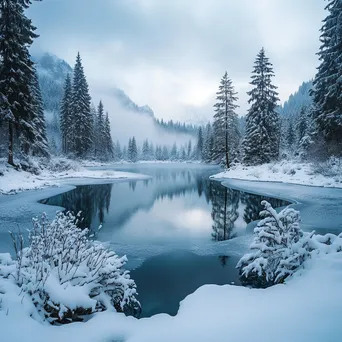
pixel 330 168
pixel 62 165
pixel 67 275
pixel 279 248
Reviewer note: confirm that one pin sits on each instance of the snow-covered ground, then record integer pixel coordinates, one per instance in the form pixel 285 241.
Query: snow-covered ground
pixel 287 172
pixel 13 181
pixel 307 308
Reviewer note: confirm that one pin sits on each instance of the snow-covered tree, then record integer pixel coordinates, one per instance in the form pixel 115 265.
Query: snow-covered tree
pixel 261 141
pixel 189 149
pixel 165 153
pixel 66 118
pixel 60 260
pixel 279 248
pixel 328 80
pixel 290 136
pixel 208 146
pixel 302 124
pixel 146 150
pixel 99 133
pixel 200 144
pixel 159 153
pixel 225 126
pixel 40 146
pixel 174 152
pixel 109 148
pixel 81 112
pixel 132 152
pixel 16 73
pixel 117 151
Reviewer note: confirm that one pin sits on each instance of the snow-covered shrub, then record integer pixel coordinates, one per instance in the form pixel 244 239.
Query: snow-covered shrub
pixel 67 275
pixel 62 165
pixel 279 248
pixel 330 168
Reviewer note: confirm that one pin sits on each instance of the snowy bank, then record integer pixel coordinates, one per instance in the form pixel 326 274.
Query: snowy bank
pixel 287 172
pixel 13 181
pixel 307 308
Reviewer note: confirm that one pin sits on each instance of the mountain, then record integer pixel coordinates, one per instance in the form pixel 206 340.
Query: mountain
pixel 127 103
pixel 52 72
pixel 127 118
pixel 296 101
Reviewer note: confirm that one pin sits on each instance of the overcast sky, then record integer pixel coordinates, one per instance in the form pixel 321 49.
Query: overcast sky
pixel 171 54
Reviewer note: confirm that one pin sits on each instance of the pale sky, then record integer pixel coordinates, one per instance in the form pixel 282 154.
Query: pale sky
pixel 171 54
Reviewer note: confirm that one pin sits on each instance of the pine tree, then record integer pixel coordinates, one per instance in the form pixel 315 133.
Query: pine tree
pixel 208 145
pixel 272 257
pixel 146 150
pixel 16 74
pixel 261 142
pixel 152 151
pixel 40 145
pixel 226 130
pixel 291 137
pixel 189 149
pixel 117 152
pixel 165 153
pixel 129 150
pixel 125 153
pixel 66 118
pixel 134 151
pixel 99 138
pixel 200 143
pixel 159 153
pixel 174 152
pixel 183 153
pixel 302 124
pixel 109 149
pixel 81 113
pixel 327 92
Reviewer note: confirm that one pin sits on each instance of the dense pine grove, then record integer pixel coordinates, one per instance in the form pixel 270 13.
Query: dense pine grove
pixel 308 125
pixel 327 98
pixel 20 107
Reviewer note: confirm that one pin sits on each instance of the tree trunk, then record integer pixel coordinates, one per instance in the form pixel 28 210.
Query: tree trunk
pixel 227 152
pixel 10 143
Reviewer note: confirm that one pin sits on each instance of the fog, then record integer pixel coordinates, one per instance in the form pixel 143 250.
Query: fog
pixel 126 123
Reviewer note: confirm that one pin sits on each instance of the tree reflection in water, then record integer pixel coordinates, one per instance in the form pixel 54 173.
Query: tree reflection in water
pixel 90 200
pixel 231 210
pixel 229 204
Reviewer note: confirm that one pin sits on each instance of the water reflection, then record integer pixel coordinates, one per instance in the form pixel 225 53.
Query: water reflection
pixel 177 274
pixel 175 205
pixel 91 200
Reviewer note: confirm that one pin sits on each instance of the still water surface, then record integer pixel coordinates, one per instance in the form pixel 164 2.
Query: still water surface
pixel 177 208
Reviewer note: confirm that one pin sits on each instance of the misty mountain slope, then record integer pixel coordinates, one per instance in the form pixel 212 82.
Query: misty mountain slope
pixel 127 118
pixel 127 103
pixel 296 101
pixel 52 72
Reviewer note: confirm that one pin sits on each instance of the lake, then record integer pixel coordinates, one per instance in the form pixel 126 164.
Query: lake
pixel 164 225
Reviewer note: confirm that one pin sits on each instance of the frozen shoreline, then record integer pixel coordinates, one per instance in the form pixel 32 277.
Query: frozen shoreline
pixel 309 303
pixel 13 182
pixel 287 172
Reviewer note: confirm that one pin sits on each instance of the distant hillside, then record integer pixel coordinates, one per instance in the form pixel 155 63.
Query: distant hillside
pixel 127 103
pixel 296 101
pixel 52 72
pixel 123 111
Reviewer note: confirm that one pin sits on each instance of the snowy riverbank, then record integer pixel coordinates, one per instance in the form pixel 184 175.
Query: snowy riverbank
pixel 326 175
pixel 13 181
pixel 310 304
